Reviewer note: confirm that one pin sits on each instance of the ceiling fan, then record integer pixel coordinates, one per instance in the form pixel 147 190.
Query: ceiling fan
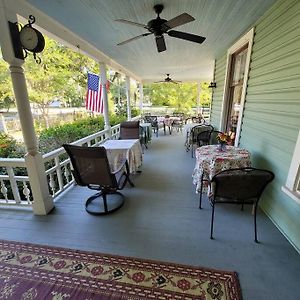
pixel 168 79
pixel 159 27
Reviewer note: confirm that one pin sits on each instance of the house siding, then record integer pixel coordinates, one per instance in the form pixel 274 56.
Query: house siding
pixel 220 71
pixel 271 119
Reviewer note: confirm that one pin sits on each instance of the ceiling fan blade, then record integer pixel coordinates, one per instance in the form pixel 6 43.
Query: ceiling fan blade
pixel 186 36
pixel 177 21
pixel 131 23
pixel 160 43
pixel 134 38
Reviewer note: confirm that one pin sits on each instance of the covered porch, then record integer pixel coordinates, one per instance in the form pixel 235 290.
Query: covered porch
pixel 160 220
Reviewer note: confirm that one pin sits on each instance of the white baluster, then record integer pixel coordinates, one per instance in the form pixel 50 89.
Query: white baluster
pixel 26 192
pixel 59 174
pixel 67 173
pixel 52 183
pixel 13 184
pixel 4 190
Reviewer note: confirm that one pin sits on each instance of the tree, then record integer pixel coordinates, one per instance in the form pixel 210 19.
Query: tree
pixel 61 75
pixel 6 92
pixel 183 96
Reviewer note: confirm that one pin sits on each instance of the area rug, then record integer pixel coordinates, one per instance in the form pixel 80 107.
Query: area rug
pixel 29 271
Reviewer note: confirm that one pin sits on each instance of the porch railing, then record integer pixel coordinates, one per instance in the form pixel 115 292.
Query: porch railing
pixel 15 190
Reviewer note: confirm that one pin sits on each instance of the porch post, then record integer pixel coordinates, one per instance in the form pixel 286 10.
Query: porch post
pixel 128 97
pixel 198 97
pixel 141 96
pixel 42 200
pixel 103 80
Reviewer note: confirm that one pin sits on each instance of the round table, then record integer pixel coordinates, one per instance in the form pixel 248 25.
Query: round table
pixel 210 161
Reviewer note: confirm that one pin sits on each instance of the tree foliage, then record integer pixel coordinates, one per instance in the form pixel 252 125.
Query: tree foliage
pixel 61 75
pixel 6 93
pixel 182 96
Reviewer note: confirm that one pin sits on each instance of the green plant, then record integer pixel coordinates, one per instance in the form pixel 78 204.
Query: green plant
pixel 9 147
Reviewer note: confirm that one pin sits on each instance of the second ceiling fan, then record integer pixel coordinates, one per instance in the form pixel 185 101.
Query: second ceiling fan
pixel 168 79
pixel 159 27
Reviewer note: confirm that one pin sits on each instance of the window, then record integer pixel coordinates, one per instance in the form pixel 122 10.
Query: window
pixel 238 62
pixel 292 186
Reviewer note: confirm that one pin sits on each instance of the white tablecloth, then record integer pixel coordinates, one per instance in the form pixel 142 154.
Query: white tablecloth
pixel 118 150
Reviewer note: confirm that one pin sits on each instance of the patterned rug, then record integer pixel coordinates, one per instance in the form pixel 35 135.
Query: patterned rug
pixel 29 271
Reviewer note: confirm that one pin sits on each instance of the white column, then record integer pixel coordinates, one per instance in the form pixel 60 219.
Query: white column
pixel 141 96
pixel 198 97
pixel 42 200
pixel 128 97
pixel 103 80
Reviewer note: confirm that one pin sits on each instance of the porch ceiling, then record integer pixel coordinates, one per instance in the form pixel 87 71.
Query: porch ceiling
pixel 221 22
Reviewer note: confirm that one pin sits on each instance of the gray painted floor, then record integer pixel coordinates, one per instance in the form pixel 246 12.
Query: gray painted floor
pixel 160 220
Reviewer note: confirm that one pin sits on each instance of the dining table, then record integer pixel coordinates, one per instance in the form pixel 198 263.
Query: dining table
pixel 119 150
pixel 211 160
pixel 167 122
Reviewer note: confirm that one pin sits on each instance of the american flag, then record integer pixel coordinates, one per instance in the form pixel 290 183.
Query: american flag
pixel 94 99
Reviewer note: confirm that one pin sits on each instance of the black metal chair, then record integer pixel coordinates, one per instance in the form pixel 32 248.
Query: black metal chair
pixel 91 169
pixel 154 123
pixel 203 138
pixel 195 131
pixel 239 186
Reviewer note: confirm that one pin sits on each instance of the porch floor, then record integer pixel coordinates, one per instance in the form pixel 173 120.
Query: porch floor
pixel 160 220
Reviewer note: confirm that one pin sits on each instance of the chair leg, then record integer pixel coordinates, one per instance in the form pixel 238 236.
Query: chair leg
pixel 255 224
pixel 104 202
pixel 114 204
pixel 201 189
pixel 212 221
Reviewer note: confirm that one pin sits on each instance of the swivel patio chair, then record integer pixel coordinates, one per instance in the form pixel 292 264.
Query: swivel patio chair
pixel 195 132
pixel 239 186
pixel 130 130
pixel 91 169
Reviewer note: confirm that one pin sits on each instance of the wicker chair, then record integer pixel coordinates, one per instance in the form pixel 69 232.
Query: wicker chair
pixel 91 169
pixel 239 186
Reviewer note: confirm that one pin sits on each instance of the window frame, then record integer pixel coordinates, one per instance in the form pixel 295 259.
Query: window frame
pixel 292 185
pixel 242 42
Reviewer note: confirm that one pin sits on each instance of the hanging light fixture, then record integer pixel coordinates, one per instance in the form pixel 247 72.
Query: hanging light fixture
pixel 212 85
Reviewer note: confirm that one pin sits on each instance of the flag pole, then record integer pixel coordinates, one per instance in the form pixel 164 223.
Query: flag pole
pixel 104 95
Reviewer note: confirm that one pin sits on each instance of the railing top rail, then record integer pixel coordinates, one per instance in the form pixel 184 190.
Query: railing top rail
pixel 12 162
pixel 86 139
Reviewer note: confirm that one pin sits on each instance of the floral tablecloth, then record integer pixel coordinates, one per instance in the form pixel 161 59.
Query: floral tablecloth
pixel 210 161
pixel 118 150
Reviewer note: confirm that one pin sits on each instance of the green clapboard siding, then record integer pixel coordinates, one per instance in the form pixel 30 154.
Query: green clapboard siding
pixel 220 70
pixel 271 119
